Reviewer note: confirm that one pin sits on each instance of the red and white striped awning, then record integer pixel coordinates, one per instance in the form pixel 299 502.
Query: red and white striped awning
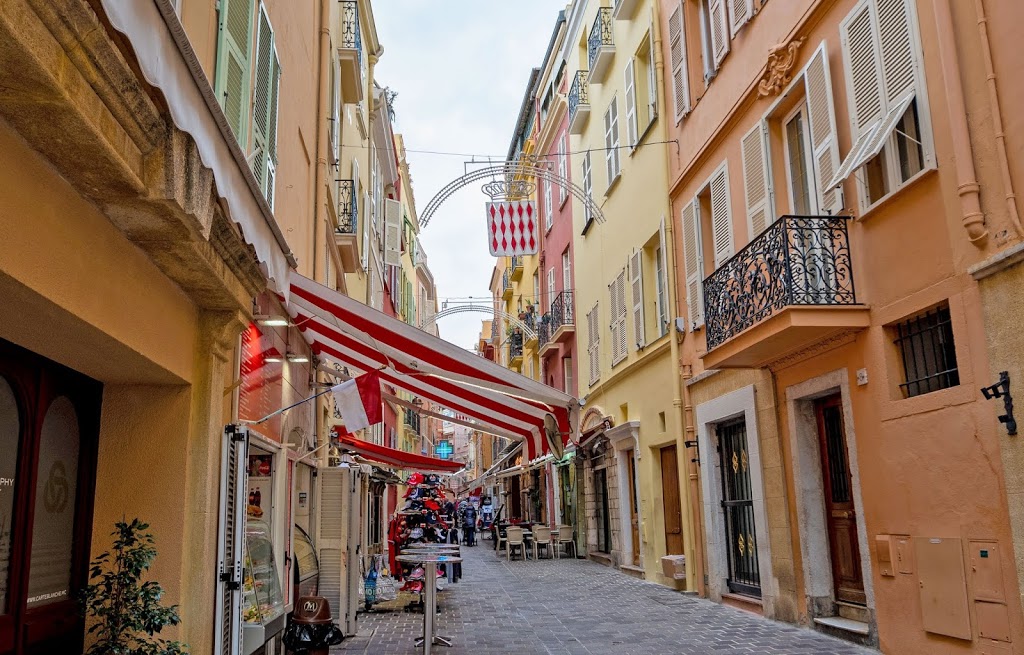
pixel 501 401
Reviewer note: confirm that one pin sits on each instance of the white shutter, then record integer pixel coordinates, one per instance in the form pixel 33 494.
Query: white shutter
pixel 563 168
pixel 740 12
pixel 594 343
pixel 613 319
pixel 721 216
pixel 719 31
pixel 364 225
pixel 693 262
pixel 662 280
pixel 636 283
pixel 392 232
pixel 680 76
pixel 551 286
pixel 234 43
pixel 756 180
pixel 611 140
pixel 652 81
pixel 228 628
pixel 632 126
pixel 566 271
pixel 897 50
pixel 822 119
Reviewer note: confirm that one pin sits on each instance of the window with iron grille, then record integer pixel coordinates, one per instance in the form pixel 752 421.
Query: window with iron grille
pixel 927 352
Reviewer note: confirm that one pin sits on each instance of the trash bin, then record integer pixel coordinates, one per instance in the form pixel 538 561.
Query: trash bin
pixel 311 629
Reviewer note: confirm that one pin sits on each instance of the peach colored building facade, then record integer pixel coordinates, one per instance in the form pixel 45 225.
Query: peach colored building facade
pixel 826 195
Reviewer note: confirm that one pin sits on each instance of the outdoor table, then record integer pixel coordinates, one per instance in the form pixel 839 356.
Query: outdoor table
pixel 430 560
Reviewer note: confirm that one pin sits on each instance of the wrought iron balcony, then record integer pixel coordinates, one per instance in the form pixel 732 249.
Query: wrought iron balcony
pixel 562 311
pixel 506 285
pixel 544 330
pixel 600 47
pixel 517 268
pixel 798 262
pixel 348 207
pixel 413 420
pixel 350 52
pixel 515 346
pixel 579 102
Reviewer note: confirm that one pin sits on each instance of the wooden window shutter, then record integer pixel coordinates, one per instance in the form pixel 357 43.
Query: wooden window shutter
pixel 231 531
pixel 719 31
pixel 613 315
pixel 822 122
pixel 740 12
pixel 261 97
pixel 680 75
pixel 898 52
pixel 693 262
pixel 392 233
pixel 756 180
pixel 234 52
pixel 632 126
pixel 594 344
pixel 636 283
pixel 619 332
pixel 662 279
pixel 551 287
pixel 863 68
pixel 721 216
pixel 611 140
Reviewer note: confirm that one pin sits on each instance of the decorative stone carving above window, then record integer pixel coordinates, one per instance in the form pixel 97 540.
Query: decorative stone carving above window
pixel 781 59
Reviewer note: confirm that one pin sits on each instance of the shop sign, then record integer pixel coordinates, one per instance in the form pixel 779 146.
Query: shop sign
pixel 444 449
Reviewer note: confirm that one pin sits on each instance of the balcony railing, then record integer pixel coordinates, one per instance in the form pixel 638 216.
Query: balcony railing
pixel 798 260
pixel 413 420
pixel 348 207
pixel 600 35
pixel 579 93
pixel 544 330
pixel 561 311
pixel 515 345
pixel 506 281
pixel 350 32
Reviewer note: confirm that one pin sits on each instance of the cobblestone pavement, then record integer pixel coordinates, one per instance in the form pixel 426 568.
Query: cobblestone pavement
pixel 576 606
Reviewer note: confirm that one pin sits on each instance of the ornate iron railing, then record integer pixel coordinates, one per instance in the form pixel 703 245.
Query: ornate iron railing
pixel 561 311
pixel 351 34
pixel 515 345
pixel 544 331
pixel 517 262
pixel 348 207
pixel 798 260
pixel 413 420
pixel 600 34
pixel 579 92
pixel 506 280
pixel 529 320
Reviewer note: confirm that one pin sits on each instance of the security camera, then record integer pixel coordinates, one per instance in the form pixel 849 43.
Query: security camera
pixel 583 401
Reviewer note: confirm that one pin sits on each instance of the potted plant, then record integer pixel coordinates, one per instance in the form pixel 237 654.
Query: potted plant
pixel 123 612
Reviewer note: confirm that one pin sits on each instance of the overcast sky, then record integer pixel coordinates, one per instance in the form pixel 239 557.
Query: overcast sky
pixel 460 68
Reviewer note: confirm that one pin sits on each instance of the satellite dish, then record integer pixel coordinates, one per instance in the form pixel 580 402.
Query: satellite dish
pixel 554 436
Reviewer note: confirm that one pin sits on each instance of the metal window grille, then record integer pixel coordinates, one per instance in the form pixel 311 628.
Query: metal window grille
pixel 927 352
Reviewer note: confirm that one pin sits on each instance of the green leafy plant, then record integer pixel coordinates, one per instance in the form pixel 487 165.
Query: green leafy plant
pixel 124 612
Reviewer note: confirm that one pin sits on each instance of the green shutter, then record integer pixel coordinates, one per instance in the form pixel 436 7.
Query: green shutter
pixel 261 96
pixel 234 51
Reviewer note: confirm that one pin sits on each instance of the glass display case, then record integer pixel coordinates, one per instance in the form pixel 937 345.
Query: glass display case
pixel 262 599
pixel 307 571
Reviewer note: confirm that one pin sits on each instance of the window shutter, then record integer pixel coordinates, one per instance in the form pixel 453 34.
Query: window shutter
pixel 693 263
pixel 662 280
pixel 719 32
pixel 740 12
pixel 563 168
pixel 822 119
pixel 611 140
pixel 897 50
pixel 652 81
pixel 234 49
pixel 632 127
pixel 551 286
pixel 619 318
pixel 594 344
pixel 262 98
pixel 229 543
pixel 863 70
pixel 549 208
pixel 613 316
pixel 756 180
pixel 392 233
pixel 677 48
pixel 721 216
pixel 566 272
pixel 636 283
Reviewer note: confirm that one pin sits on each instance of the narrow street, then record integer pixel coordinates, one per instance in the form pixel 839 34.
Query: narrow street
pixel 577 606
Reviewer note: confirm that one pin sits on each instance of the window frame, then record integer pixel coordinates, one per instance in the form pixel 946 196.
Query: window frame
pixel 812 196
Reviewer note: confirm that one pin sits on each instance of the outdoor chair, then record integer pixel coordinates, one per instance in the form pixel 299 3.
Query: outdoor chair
pixel 564 540
pixel 514 539
pixel 542 539
pixel 499 540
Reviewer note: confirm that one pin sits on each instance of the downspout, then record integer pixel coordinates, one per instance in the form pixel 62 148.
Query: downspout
pixel 967 186
pixel 692 548
pixel 997 116
pixel 320 175
pixel 371 64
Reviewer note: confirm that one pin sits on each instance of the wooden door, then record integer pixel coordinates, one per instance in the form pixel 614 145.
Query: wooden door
pixel 670 497
pixel 840 510
pixel 634 514
pixel 50 415
pixel 604 532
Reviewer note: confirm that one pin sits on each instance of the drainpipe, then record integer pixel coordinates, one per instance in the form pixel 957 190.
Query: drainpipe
pixel 997 116
pixel 692 547
pixel 321 173
pixel 966 181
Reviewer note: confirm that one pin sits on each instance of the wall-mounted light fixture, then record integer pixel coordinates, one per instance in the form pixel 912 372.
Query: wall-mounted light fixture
pixel 1001 389
pixel 272 321
pixel 294 358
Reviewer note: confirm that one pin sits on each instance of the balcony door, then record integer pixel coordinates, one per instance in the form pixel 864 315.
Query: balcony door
pixel 49 423
pixel 812 274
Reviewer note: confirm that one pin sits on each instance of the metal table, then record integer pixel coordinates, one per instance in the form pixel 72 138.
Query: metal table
pixel 430 560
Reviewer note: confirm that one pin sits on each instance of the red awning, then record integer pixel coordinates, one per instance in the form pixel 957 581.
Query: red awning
pixel 397 458
pixel 500 401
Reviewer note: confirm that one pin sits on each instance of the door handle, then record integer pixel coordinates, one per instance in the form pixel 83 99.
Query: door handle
pixel 842 514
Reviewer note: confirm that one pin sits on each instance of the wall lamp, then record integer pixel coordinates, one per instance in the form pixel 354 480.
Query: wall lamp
pixel 1001 389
